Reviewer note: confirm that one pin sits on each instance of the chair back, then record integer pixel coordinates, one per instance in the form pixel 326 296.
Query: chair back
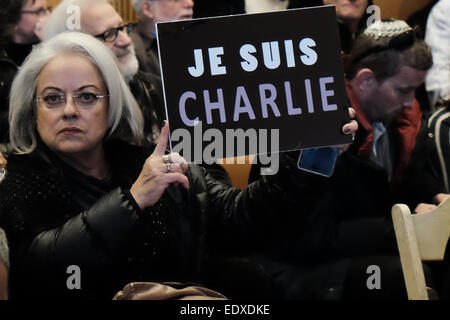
pixel 420 237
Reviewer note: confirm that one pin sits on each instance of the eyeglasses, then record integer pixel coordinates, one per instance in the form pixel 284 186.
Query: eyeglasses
pixel 40 12
pixel 83 100
pixel 399 42
pixel 110 35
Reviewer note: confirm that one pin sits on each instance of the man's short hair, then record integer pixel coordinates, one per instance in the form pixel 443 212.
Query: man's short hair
pixel 385 47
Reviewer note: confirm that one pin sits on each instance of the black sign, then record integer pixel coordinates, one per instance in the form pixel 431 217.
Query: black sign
pixel 258 74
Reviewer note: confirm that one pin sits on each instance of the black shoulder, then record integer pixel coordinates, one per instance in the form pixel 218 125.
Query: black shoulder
pixel 31 186
pixel 26 162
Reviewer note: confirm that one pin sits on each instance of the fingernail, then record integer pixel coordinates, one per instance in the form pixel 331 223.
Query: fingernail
pixel 347 131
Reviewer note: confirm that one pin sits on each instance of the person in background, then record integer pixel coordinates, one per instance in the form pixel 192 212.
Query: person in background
pixel 352 15
pixel 438 38
pixel 151 12
pixel 418 20
pixel 352 18
pixel 257 6
pixel 350 225
pixel 21 26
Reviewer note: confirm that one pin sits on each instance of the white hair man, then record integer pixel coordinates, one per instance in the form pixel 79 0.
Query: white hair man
pixel 99 19
pixel 151 12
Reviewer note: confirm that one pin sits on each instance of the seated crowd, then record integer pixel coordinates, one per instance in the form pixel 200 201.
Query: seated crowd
pixel 87 182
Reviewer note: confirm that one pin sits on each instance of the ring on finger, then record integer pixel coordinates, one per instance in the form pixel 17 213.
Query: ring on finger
pixel 168 167
pixel 166 158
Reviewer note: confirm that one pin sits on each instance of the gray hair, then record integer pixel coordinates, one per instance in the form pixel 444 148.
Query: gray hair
pixel 59 20
pixel 4 250
pixel 125 120
pixel 137 5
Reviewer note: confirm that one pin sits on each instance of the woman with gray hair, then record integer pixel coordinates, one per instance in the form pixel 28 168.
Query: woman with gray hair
pixel 124 119
pixel 75 130
pixel 86 210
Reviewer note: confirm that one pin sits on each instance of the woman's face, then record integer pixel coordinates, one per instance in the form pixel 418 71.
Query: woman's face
pixel 71 126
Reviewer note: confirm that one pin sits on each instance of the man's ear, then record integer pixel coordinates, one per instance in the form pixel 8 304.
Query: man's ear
pixel 365 79
pixel 147 9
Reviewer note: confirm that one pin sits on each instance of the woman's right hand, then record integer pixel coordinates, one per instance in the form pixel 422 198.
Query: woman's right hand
pixel 158 173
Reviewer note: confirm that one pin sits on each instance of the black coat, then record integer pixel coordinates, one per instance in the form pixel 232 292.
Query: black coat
pixel 112 241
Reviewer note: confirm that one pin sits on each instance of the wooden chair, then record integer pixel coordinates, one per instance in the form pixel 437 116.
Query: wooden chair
pixel 238 169
pixel 420 237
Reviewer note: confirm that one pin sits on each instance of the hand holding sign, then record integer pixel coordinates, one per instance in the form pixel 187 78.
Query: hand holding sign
pixel 261 90
pixel 321 161
pixel 158 173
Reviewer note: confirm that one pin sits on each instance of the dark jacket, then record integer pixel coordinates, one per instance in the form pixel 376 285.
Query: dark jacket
pixel 405 130
pixel 112 240
pixel 207 8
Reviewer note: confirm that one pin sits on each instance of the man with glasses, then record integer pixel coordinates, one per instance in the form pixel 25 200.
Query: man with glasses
pixel 151 12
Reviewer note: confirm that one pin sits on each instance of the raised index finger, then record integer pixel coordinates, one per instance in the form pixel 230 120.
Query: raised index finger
pixel 163 140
